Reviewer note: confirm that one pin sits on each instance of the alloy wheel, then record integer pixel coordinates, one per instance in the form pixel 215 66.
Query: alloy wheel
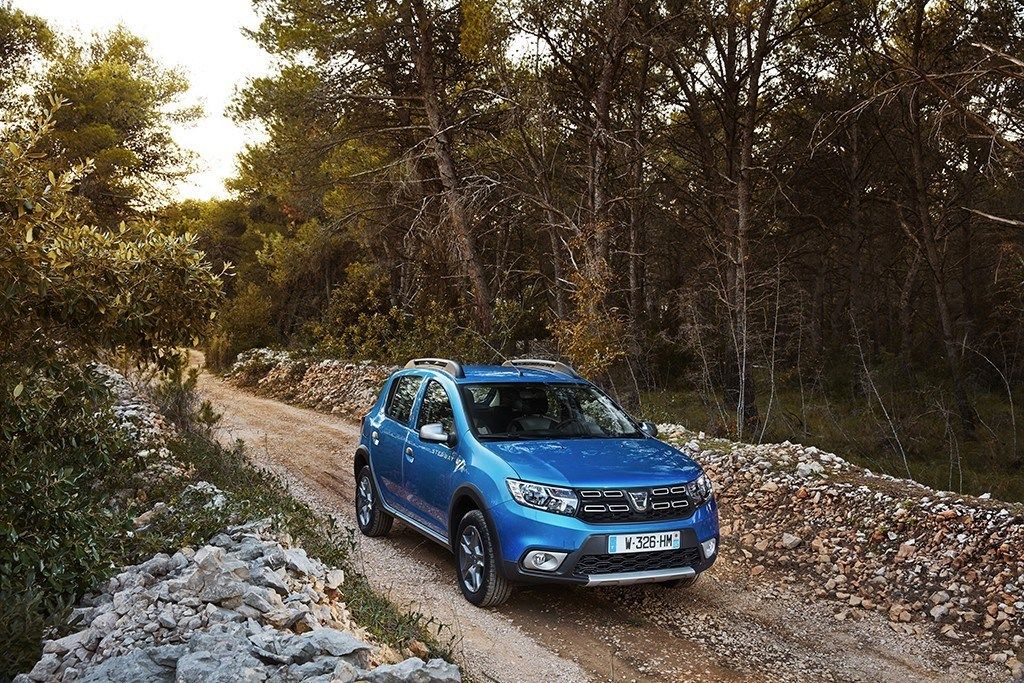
pixel 365 501
pixel 471 559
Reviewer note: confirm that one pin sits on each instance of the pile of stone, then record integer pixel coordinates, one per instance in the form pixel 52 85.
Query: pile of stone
pixel 142 424
pixel 330 386
pixel 923 558
pixel 246 607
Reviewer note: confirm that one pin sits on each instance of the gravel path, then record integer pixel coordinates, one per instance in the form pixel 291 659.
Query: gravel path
pixel 728 628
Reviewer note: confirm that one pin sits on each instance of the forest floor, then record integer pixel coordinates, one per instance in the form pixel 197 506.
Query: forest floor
pixel 729 627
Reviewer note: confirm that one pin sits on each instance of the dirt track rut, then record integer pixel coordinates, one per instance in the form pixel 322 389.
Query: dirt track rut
pixel 728 628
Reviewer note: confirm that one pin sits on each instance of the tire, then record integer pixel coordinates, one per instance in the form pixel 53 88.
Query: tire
pixel 476 561
pixel 370 515
pixel 681 583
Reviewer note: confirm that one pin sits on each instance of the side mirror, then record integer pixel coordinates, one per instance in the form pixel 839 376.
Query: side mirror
pixel 649 428
pixel 434 432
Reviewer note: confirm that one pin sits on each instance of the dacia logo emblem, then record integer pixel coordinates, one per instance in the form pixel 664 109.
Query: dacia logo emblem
pixel 639 500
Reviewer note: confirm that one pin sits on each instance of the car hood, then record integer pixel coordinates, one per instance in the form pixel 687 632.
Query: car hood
pixel 597 463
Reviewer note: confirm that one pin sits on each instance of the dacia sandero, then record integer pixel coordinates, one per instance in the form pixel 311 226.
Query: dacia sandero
pixel 528 473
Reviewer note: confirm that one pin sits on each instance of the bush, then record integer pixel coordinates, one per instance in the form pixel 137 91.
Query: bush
pixel 64 466
pixel 244 324
pixel 396 336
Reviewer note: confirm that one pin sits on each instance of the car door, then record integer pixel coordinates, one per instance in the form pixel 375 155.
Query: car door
pixel 391 435
pixel 428 469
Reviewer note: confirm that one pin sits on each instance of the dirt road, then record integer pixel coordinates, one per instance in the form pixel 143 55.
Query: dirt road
pixel 727 628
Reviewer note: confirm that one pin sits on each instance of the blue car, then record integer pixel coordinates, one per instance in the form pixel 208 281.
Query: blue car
pixel 530 474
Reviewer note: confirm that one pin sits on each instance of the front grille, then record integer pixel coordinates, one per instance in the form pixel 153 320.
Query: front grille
pixel 589 565
pixel 609 506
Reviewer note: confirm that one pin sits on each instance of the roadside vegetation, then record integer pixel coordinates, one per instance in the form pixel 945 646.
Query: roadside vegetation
pixel 88 273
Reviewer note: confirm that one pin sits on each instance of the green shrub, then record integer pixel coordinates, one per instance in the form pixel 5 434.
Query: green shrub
pixel 397 336
pixel 244 323
pixel 64 467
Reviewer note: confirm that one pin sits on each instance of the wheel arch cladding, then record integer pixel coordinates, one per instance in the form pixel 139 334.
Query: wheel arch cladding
pixel 464 499
pixel 361 460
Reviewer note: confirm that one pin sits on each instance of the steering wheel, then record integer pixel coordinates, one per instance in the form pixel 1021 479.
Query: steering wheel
pixel 564 424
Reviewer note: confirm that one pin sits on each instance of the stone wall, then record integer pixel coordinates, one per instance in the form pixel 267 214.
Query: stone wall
pixel 331 386
pixel 926 559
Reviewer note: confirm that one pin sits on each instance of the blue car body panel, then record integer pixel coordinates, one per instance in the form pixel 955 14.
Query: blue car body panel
pixel 422 482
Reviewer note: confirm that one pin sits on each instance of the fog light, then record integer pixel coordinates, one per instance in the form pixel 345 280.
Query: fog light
pixel 709 546
pixel 543 560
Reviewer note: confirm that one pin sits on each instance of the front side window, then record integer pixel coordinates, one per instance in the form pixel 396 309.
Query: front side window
pixel 436 408
pixel 545 411
pixel 402 396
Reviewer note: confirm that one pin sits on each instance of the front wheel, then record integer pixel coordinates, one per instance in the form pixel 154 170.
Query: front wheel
pixel 479 578
pixel 370 516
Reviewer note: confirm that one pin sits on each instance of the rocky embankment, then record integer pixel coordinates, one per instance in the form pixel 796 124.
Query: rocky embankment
pixel 866 542
pixel 330 386
pixel 248 606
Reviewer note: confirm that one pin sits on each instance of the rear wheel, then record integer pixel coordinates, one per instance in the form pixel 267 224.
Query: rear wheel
pixel 477 559
pixel 370 516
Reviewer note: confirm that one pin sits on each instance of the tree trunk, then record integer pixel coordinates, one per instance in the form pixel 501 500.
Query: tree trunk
pixel 417 29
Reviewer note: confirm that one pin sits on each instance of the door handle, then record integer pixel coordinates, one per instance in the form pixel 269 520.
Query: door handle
pixel 409 455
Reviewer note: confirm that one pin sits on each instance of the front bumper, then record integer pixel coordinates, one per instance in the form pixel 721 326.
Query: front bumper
pixel 521 529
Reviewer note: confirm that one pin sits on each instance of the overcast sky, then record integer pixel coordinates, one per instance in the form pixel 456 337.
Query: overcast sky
pixel 202 37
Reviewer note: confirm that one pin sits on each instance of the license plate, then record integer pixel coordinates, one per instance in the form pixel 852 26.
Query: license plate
pixel 643 543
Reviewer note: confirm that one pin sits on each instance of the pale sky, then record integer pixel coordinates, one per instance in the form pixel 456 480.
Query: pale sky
pixel 201 37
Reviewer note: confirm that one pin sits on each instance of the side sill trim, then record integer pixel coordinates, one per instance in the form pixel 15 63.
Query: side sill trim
pixel 627 578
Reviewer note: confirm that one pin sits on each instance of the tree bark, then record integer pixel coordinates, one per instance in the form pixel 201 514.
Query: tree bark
pixel 417 29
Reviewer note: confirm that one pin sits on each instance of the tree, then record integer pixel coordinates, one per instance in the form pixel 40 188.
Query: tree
pixel 23 39
pixel 72 290
pixel 122 104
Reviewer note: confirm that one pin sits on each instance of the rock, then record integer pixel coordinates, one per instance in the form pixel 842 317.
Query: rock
pixel 297 561
pixel 220 667
pixel 415 670
pixel 136 666
pixel 938 612
pixel 419 649
pixel 757 570
pixel 45 667
pixel 790 541
pixel 334 579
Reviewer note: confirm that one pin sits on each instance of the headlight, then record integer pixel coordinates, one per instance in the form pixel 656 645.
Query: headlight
pixel 541 497
pixel 700 490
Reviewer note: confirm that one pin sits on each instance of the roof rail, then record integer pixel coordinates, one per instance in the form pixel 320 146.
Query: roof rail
pixel 541 364
pixel 452 367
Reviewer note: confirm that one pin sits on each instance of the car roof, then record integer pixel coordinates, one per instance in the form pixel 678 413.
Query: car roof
pixel 473 374
pixel 501 373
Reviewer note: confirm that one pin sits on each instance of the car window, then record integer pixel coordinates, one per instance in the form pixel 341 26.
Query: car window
pixel 544 410
pixel 436 408
pixel 402 396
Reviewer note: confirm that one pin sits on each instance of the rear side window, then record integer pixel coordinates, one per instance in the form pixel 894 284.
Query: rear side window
pixel 403 393
pixel 436 408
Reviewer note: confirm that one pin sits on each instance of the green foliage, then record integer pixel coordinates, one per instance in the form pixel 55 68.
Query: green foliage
pixel 594 338
pixel 396 336
pixel 64 468
pixel 23 39
pixel 76 289
pixel 123 104
pixel 175 395
pixel 245 323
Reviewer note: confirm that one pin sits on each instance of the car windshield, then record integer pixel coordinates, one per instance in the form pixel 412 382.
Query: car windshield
pixel 545 411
